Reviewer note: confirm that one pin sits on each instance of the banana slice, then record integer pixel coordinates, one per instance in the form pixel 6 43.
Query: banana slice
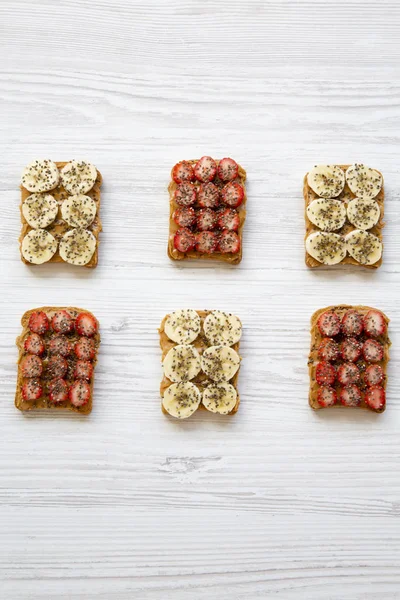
pixel 363 213
pixel 220 397
pixel 38 246
pixel 77 246
pixel 181 399
pixel 40 210
pixel 327 248
pixel 222 329
pixel 78 177
pixel 220 363
pixel 183 326
pixel 363 181
pixel 326 180
pixel 182 363
pixel 327 214
pixel 40 176
pixel 79 210
pixel 364 247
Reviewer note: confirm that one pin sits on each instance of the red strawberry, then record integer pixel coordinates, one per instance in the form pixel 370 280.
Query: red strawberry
pixel 184 216
pixel 206 219
pixel 184 240
pixel 348 373
pixel 31 366
pixel 185 194
pixel 79 393
pixel 373 375
pixel 31 389
pixel 58 390
pixel 375 397
pixel 57 367
pixel 62 322
pixel 33 344
pixel 60 344
pixel 328 349
pixel 227 169
pixel 350 395
pixel 86 324
pixel 208 195
pixel 85 348
pixel 325 374
pixel 329 324
pixel 38 322
pixel 229 241
pixel 229 219
pixel 232 194
pixel 83 370
pixel 182 171
pixel 352 323
pixel 374 323
pixel 206 242
pixel 326 396
pixel 350 349
pixel 205 169
pixel 372 351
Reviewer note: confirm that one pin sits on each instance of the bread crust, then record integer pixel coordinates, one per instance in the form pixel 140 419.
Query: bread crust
pixel 316 338
pixel 44 402
pixel 59 227
pixel 200 344
pixel 231 258
pixel 346 195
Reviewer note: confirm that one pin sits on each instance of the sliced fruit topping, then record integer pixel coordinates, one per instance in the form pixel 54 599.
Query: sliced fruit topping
pixel 352 323
pixel 329 324
pixel 229 242
pixel 325 373
pixel 83 370
pixel 62 322
pixel 86 324
pixel 182 363
pixel 184 240
pixel 185 194
pixel 206 219
pixel 222 329
pixel 206 242
pixel 232 194
pixel 78 177
pixel 373 375
pixel 182 171
pixel 40 176
pixel 220 363
pixel 181 399
pixel 38 322
pixel 375 398
pixel 363 181
pixel 40 210
pixel 229 219
pixel 38 246
pixel 61 345
pixel 363 213
pixel 79 210
pixel 326 181
pixel 372 351
pixel 85 348
pixel 31 366
pixel 364 247
pixel 326 396
pixel 348 373
pixel 328 349
pixel 79 393
pixel 31 389
pixel 205 169
pixel 350 395
pixel 326 248
pixel 184 216
pixel 220 397
pixel 57 367
pixel 228 169
pixel 58 390
pixel 182 326
pixel 208 195
pixel 77 246
pixel 33 344
pixel 374 323
pixel 350 349
pixel 327 214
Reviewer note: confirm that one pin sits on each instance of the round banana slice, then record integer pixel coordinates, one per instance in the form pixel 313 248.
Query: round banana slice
pixel 327 214
pixel 364 247
pixel 79 210
pixel 77 246
pixel 326 180
pixel 78 177
pixel 363 181
pixel 220 363
pixel 40 176
pixel 327 248
pixel 38 246
pixel 363 213
pixel 182 363
pixel 181 399
pixel 222 329
pixel 220 397
pixel 183 326
pixel 40 210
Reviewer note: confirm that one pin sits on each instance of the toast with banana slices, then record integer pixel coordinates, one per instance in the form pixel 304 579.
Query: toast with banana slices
pixel 60 213
pixel 201 362
pixel 344 209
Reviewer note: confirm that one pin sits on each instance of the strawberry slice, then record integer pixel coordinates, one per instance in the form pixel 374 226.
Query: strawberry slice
pixel 352 323
pixel 348 373
pixel 375 397
pixel 182 171
pixel 57 367
pixel 329 324
pixel 350 395
pixel 227 169
pixel 62 322
pixel 184 240
pixel 33 344
pixel 185 194
pixel 232 194
pixel 85 348
pixel 328 349
pixel 325 374
pixel 208 195
pixel 205 169
pixel 83 370
pixel 373 375
pixel 206 242
pixel 31 389
pixel 38 322
pixel 326 396
pixel 372 351
pixel 86 324
pixel 229 219
pixel 229 241
pixel 350 349
pixel 374 323
pixel 58 390
pixel 31 366
pixel 184 216
pixel 79 393
pixel 60 344
pixel 206 219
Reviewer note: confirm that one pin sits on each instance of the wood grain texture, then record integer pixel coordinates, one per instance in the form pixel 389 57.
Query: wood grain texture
pixel 278 502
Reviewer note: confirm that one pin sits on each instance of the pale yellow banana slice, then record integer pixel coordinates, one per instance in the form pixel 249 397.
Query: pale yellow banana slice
pixel 220 397
pixel 222 329
pixel 79 210
pixel 182 363
pixel 183 326
pixel 40 176
pixel 38 246
pixel 363 181
pixel 327 213
pixel 78 177
pixel 327 248
pixel 181 399
pixel 326 181
pixel 220 363
pixel 364 247
pixel 363 213
pixel 77 246
pixel 40 210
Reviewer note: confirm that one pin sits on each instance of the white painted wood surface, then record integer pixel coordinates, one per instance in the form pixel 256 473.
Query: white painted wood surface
pixel 277 502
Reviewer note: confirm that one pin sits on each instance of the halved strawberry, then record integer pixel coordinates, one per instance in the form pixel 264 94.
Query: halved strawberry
pixel 58 390
pixel 328 349
pixel 232 194
pixel 206 242
pixel 62 322
pixel 31 389
pixel 206 219
pixel 184 240
pixel 182 171
pixel 348 373
pixel 83 370
pixel 329 324
pixel 350 349
pixel 326 396
pixel 184 216
pixel 33 344
pixel 374 323
pixel 185 194
pixel 208 195
pixel 86 324
pixel 375 397
pixel 79 393
pixel 229 242
pixel 372 351
pixel 227 169
pixel 325 374
pixel 38 322
pixel 57 367
pixel 60 344
pixel 31 366
pixel 85 348
pixel 373 375
pixel 350 395
pixel 352 323
pixel 229 219
pixel 205 169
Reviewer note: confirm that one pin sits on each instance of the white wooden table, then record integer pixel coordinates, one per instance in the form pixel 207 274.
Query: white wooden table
pixel 277 502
